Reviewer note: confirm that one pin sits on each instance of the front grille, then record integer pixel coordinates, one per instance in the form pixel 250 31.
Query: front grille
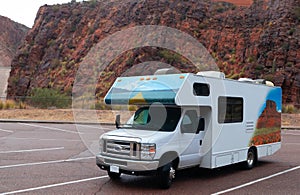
pixel 116 162
pixel 121 149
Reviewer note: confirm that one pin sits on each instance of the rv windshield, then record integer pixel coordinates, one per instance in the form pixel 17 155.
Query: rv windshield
pixel 155 118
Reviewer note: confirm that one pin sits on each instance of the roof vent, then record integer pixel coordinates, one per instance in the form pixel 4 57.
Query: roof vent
pixel 247 80
pixel 257 81
pixel 166 71
pixel 214 74
pixel 270 84
pixel 260 81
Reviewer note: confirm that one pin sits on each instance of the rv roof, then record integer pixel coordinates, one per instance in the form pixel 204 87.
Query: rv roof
pixel 214 74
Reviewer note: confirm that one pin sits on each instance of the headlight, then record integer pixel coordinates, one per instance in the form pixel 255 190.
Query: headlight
pixel 148 151
pixel 101 145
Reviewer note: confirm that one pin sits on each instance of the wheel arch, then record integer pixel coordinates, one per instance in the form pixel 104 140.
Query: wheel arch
pixel 168 157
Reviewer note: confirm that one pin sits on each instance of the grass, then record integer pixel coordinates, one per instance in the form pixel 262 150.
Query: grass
pixel 10 104
pixel 290 109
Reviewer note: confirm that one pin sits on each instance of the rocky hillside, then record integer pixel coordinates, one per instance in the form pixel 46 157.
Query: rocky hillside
pixel 11 35
pixel 238 2
pixel 259 41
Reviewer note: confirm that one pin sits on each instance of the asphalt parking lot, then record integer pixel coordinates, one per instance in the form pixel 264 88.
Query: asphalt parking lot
pixel 55 159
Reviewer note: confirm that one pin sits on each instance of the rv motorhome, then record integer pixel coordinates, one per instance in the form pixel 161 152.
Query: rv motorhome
pixel 186 120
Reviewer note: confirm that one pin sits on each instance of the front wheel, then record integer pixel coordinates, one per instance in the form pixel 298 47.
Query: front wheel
pixel 251 159
pixel 114 176
pixel 167 175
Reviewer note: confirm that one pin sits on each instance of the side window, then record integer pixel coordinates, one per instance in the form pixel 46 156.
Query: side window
pixel 141 116
pixel 230 109
pixel 201 89
pixel 189 122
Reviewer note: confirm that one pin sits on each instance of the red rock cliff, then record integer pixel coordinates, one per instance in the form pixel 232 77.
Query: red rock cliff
pixel 259 41
pixel 11 36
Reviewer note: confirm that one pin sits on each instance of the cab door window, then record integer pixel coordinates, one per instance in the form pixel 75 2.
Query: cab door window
pixel 189 122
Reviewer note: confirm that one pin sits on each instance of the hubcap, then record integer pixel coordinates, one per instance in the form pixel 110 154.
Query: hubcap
pixel 250 159
pixel 172 173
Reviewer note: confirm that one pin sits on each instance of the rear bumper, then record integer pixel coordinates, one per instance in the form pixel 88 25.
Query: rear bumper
pixel 127 166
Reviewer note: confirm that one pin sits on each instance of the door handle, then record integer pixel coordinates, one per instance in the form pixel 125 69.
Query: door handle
pixel 200 142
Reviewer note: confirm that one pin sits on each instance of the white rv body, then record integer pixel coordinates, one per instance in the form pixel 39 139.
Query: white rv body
pixel 237 116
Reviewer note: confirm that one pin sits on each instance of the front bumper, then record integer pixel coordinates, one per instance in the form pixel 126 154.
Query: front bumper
pixel 126 165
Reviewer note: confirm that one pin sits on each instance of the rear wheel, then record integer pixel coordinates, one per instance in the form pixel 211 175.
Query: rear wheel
pixel 114 176
pixel 251 159
pixel 167 175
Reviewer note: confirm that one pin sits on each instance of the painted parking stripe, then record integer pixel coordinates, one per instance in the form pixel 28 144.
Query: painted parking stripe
pixel 95 127
pixel 8 131
pixel 31 150
pixel 256 181
pixel 46 162
pixel 291 134
pixel 55 185
pixel 42 139
pixel 51 128
pixel 292 144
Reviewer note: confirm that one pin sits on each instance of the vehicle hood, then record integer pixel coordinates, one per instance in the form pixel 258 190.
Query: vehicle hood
pixel 144 135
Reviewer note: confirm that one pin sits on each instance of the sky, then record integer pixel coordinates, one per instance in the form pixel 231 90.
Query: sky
pixel 24 11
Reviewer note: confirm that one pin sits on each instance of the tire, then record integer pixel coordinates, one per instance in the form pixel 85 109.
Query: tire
pixel 167 175
pixel 251 159
pixel 114 176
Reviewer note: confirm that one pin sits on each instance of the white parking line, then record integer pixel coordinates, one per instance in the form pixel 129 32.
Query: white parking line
pixel 99 127
pixel 42 139
pixel 31 150
pixel 292 144
pixel 8 131
pixel 51 128
pixel 46 162
pixel 55 185
pixel 291 134
pixel 256 181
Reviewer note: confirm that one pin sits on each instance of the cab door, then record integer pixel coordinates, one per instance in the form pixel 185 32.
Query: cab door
pixel 192 132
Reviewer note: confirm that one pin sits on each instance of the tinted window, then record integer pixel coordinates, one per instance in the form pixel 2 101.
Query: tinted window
pixel 230 109
pixel 201 89
pixel 189 122
pixel 159 118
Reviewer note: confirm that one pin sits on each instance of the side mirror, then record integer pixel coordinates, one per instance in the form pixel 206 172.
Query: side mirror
pixel 201 125
pixel 118 121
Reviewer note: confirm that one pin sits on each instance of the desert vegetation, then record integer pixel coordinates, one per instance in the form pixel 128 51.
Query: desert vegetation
pixel 10 104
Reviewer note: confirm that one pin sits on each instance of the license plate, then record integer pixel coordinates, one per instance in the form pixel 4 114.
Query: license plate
pixel 114 169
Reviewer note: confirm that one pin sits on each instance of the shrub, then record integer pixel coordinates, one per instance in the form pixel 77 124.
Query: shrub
pixel 93 3
pixel 46 98
pixel 22 105
pixel 101 106
pixel 9 104
pixel 297 12
pixel 289 108
pixel 170 56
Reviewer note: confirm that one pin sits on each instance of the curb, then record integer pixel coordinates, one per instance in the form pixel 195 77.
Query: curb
pixel 290 128
pixel 54 122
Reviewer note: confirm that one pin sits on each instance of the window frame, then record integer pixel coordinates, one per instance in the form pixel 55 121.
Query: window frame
pixel 231 106
pixel 195 92
pixel 193 125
